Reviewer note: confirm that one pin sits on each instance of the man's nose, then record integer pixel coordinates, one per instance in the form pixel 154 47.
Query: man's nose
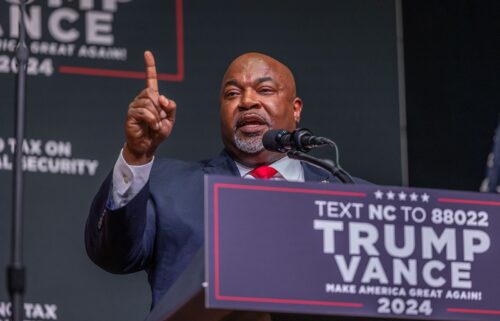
pixel 248 100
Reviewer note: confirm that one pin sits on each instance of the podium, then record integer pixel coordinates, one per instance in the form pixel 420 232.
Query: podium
pixel 307 251
pixel 185 300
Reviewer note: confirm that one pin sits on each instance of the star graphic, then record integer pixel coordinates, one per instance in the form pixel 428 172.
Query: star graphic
pixel 390 195
pixel 402 196
pixel 378 195
pixel 425 197
pixel 413 197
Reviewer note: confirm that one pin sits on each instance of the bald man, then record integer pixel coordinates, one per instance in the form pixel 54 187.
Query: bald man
pixel 148 214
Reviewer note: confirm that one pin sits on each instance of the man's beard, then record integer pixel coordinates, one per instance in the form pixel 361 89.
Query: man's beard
pixel 248 144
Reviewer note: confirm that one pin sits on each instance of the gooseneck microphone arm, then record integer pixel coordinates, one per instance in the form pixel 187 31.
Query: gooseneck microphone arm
pixel 15 270
pixel 326 164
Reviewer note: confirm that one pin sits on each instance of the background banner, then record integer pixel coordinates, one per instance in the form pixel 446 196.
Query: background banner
pixel 86 66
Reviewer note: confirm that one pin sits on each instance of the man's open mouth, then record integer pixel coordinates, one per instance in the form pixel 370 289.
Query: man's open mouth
pixel 251 123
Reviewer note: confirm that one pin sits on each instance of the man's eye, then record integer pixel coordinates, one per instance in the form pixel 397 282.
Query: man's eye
pixel 231 93
pixel 266 90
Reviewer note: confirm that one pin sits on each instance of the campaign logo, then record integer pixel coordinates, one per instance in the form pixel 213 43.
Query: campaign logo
pixel 361 250
pixel 103 38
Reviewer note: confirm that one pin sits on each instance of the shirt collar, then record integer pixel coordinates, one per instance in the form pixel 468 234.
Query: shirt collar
pixel 288 169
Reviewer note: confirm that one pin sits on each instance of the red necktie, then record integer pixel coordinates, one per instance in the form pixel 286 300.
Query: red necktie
pixel 264 172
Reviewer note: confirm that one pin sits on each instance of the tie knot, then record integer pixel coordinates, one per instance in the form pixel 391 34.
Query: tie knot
pixel 264 172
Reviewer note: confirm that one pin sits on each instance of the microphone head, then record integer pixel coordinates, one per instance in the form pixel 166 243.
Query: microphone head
pixel 272 140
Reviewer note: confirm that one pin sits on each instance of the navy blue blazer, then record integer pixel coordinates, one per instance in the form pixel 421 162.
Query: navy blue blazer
pixel 161 228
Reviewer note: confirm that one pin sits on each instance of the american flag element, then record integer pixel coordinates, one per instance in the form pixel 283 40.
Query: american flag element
pixel 491 184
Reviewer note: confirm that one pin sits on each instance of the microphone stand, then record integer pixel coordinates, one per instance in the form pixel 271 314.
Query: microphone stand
pixel 325 164
pixel 15 270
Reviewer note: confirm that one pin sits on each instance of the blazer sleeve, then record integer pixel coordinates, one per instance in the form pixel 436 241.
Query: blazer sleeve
pixel 121 240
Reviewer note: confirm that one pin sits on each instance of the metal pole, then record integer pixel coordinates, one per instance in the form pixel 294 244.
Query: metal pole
pixel 405 180
pixel 16 271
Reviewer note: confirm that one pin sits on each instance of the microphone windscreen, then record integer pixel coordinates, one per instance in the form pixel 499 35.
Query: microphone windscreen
pixel 271 139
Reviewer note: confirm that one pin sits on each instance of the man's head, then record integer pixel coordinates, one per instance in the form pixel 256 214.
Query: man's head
pixel 257 94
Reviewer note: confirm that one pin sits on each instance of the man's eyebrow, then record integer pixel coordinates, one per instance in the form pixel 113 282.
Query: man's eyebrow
pixel 263 79
pixel 232 82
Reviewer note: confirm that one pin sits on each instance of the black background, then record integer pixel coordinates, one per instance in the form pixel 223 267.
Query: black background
pixel 452 88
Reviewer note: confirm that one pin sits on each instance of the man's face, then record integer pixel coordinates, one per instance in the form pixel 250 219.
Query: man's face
pixel 257 94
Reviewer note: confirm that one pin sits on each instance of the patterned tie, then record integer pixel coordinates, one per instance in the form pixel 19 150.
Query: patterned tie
pixel 264 172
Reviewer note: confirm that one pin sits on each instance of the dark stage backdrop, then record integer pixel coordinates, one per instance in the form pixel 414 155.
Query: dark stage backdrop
pixel 452 62
pixel 87 65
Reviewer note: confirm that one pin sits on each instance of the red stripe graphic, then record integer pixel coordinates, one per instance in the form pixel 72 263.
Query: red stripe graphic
pixel 289 190
pixel 220 297
pixel 473 311
pixel 291 301
pixel 463 201
pixel 216 241
pixel 179 76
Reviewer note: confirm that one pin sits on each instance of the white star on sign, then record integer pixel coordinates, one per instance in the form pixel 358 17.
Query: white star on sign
pixel 390 195
pixel 402 196
pixel 413 197
pixel 378 195
pixel 425 197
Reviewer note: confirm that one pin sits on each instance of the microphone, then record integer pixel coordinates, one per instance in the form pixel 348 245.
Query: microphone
pixel 301 139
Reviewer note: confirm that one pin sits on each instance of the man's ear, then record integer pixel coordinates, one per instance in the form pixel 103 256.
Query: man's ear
pixel 297 109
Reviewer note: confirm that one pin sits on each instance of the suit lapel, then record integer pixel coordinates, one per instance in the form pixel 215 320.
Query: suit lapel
pixel 315 174
pixel 221 165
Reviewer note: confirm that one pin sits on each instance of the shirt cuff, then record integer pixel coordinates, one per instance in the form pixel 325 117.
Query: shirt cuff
pixel 128 180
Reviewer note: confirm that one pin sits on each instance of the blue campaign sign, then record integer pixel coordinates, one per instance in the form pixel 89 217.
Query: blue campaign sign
pixel 356 250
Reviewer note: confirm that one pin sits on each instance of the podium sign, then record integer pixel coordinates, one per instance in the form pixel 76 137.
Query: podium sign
pixel 355 250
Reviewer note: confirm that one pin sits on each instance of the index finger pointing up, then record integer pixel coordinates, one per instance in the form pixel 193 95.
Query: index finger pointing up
pixel 151 80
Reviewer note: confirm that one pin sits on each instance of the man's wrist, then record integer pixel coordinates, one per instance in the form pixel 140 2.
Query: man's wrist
pixel 134 159
pixel 128 180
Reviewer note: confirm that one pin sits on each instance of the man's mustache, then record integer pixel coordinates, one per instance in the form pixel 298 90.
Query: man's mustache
pixel 251 118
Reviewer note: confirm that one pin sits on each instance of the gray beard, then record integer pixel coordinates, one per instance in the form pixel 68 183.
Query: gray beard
pixel 248 144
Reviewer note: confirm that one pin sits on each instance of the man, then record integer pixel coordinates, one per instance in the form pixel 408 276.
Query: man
pixel 150 216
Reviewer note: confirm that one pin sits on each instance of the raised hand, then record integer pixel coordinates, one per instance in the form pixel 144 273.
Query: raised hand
pixel 150 119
